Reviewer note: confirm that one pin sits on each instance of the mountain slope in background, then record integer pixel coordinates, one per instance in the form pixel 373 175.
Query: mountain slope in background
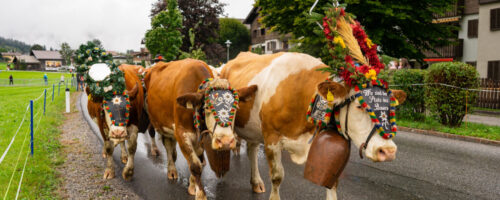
pixel 13 45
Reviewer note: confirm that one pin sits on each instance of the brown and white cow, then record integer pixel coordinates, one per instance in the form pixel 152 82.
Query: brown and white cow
pixel 172 99
pixel 113 135
pixel 277 114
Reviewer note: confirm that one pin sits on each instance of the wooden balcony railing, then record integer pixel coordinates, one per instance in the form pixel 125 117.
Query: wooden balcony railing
pixel 457 10
pixel 449 51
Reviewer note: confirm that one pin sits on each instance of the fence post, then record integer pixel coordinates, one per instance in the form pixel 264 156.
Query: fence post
pixel 53 88
pixel 44 100
pixel 31 126
pixel 67 100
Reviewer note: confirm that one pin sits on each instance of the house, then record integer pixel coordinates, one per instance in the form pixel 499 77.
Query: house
pixel 478 39
pixel 26 62
pixel 49 60
pixel 269 42
pixel 118 58
pixel 9 56
pixel 139 57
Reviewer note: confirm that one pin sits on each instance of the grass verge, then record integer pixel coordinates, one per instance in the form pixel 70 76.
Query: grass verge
pixel 40 180
pixel 467 129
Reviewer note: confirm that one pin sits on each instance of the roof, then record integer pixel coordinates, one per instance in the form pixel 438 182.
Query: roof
pixel 27 59
pixel 46 55
pixel 11 54
pixel 252 15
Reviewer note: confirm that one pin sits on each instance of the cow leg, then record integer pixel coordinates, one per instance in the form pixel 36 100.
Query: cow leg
pixel 109 172
pixel 236 150
pixel 154 147
pixel 128 171
pixel 273 154
pixel 255 179
pixel 195 167
pixel 169 144
pixel 331 194
pixel 124 152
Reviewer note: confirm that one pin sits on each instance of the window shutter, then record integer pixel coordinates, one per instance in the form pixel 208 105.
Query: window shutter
pixel 494 70
pixel 472 28
pixel 495 19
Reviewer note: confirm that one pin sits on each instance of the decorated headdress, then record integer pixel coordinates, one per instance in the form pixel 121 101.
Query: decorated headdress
pixel 357 63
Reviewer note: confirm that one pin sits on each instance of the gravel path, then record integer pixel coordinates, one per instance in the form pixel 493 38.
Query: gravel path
pixel 84 166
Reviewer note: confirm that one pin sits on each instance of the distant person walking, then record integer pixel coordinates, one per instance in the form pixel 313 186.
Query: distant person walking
pixel 11 80
pixel 46 79
pixel 404 64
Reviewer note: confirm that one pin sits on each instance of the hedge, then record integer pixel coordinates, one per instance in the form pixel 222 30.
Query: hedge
pixel 446 103
pixel 414 106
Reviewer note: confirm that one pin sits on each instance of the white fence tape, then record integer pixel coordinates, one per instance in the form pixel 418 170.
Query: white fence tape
pixel 12 141
pixel 446 85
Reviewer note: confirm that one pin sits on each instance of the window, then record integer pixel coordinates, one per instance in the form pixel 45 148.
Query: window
pixel 495 19
pixel 285 44
pixel 494 70
pixel 472 28
pixel 271 46
pixel 262 31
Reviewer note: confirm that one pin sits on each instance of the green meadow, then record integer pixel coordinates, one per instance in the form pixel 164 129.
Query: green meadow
pixel 40 180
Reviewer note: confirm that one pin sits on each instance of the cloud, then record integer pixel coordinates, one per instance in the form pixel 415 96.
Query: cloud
pixel 119 24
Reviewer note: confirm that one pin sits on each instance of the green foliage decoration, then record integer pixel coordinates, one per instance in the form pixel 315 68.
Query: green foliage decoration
pixel 446 103
pixel 414 106
pixel 91 53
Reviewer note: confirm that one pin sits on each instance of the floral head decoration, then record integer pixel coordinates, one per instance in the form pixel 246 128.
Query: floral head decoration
pixel 115 107
pixel 221 101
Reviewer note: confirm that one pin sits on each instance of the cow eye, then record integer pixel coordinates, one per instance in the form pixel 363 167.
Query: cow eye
pixel 359 107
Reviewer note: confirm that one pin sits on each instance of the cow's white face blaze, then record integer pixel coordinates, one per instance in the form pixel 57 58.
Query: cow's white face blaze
pixel 223 138
pixel 359 127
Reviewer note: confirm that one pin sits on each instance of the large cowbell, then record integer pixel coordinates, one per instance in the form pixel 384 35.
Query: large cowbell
pixel 118 109
pixel 222 100
pixel 379 101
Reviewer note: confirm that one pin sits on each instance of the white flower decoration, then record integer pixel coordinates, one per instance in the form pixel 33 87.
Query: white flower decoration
pixel 109 88
pixel 117 101
pixel 224 115
pixel 228 97
pixel 99 71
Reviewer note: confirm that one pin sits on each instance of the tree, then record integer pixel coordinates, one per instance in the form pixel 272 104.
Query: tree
pixel 202 16
pixel 66 52
pixel 237 33
pixel 37 47
pixel 403 28
pixel 165 37
pixel 194 52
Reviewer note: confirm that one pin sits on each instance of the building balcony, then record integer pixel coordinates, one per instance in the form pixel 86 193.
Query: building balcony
pixel 454 14
pixel 449 51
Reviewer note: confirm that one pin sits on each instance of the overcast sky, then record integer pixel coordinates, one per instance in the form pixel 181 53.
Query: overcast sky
pixel 119 24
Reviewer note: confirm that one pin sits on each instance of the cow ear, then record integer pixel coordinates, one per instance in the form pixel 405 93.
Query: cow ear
pixel 133 92
pixel 87 90
pixel 337 89
pixel 247 93
pixel 400 95
pixel 190 100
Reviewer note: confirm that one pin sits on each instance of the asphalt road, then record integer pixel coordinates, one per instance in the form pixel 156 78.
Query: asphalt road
pixel 426 167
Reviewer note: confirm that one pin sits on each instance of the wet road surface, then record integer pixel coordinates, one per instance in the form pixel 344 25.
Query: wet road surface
pixel 426 167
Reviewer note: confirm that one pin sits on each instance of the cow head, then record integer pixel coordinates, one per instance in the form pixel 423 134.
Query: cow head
pixel 215 106
pixel 358 119
pixel 116 112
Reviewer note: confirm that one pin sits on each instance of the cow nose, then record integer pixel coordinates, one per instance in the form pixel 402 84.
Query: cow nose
pixel 118 133
pixel 225 143
pixel 386 154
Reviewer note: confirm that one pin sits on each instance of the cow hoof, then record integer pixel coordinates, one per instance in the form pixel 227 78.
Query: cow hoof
pixel 104 155
pixel 128 173
pixel 201 196
pixel 124 159
pixel 259 188
pixel 172 175
pixel 109 174
pixel 192 189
